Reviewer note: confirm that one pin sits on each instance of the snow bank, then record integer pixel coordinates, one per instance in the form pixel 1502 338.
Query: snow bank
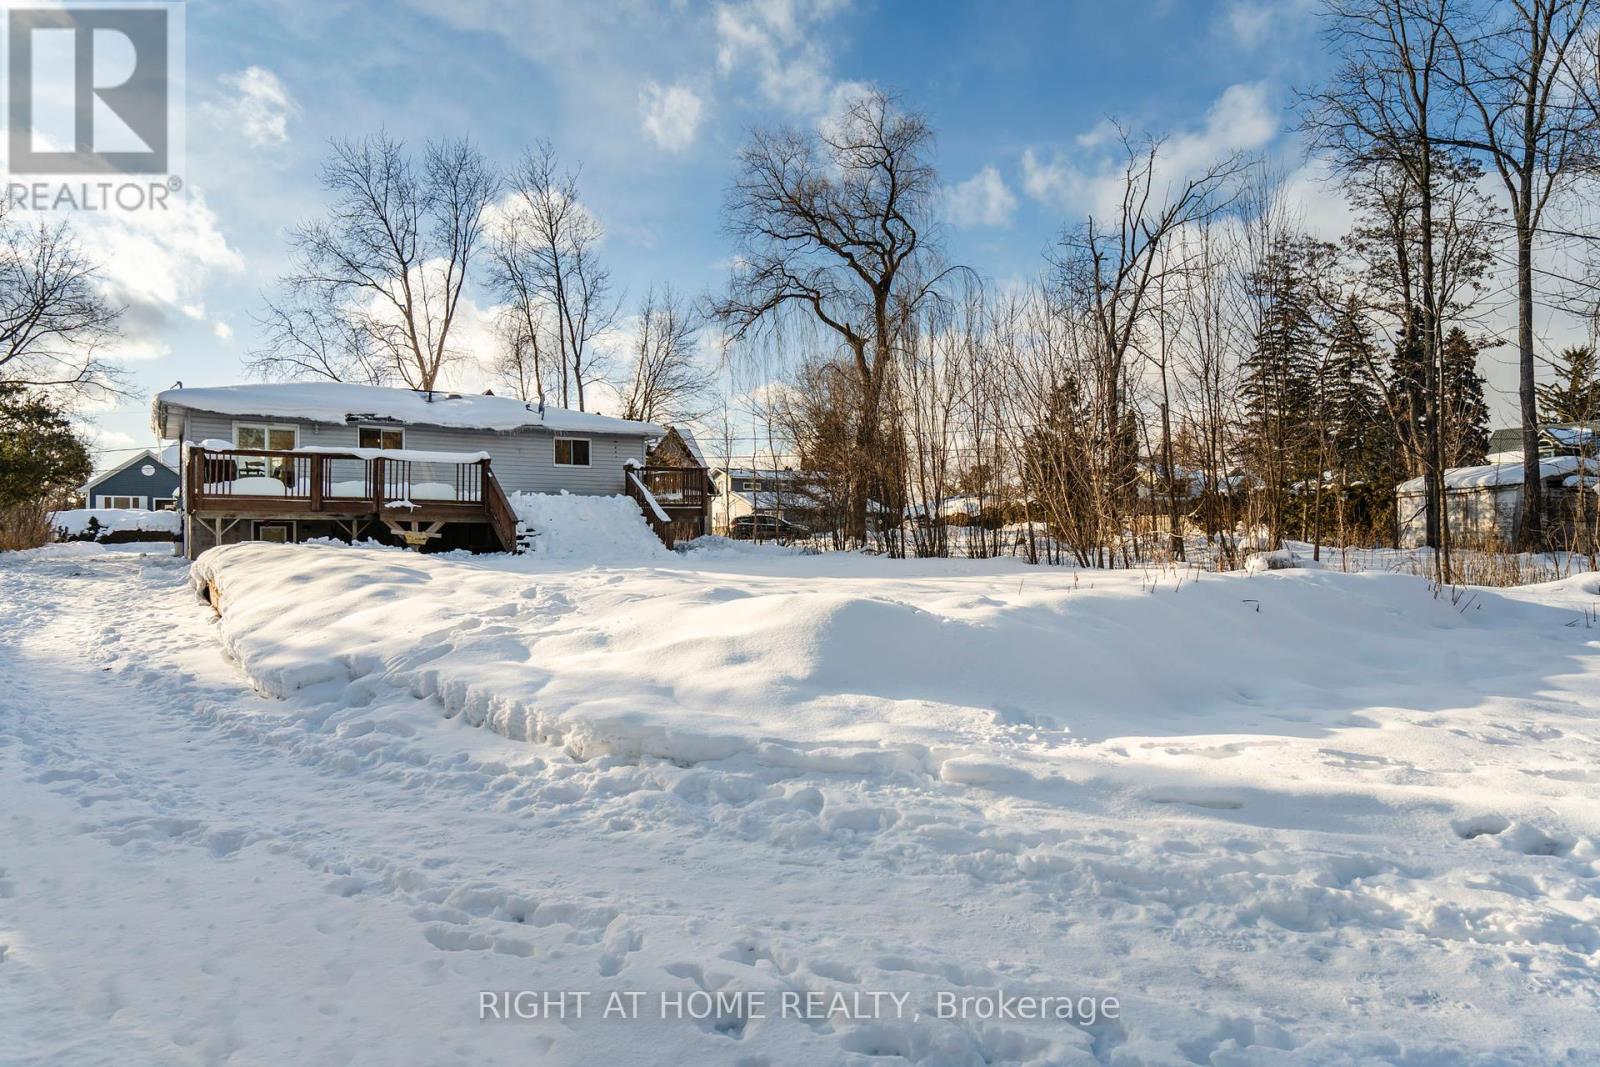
pixel 117 520
pixel 586 529
pixel 842 661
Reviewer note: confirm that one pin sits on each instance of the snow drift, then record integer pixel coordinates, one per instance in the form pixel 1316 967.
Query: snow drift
pixel 808 660
pixel 586 529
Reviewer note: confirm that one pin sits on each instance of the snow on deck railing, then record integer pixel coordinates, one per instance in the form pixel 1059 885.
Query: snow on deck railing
pixel 648 497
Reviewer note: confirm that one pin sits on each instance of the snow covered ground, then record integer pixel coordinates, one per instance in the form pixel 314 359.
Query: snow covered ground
pixel 1291 817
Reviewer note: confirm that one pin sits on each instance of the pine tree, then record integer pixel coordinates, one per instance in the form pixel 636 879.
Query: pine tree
pixel 1575 394
pixel 1466 418
pixel 1357 437
pixel 1408 393
pixel 1279 379
pixel 1355 409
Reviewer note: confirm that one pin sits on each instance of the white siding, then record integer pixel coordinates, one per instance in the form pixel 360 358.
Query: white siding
pixel 523 460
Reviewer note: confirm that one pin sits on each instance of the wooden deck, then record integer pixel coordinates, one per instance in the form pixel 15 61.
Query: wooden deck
pixel 412 498
pixel 673 500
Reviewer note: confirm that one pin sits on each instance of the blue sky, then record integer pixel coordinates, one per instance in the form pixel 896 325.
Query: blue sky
pixel 654 99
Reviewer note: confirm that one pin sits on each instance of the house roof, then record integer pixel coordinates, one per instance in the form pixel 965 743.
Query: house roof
pixel 687 436
pixel 344 402
pixel 785 474
pixel 143 456
pixel 1503 468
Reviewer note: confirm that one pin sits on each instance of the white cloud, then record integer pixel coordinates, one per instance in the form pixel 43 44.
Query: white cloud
pixel 259 106
pixel 1252 23
pixel 670 115
pixel 1243 118
pixel 1318 201
pixel 779 41
pixel 981 200
pixel 156 264
pixel 221 331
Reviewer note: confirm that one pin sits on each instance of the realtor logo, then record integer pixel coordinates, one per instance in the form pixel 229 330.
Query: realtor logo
pixel 90 88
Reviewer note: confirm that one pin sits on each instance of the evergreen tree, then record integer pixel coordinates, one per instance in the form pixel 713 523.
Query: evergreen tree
pixel 1355 408
pixel 1408 393
pixel 1466 416
pixel 1280 376
pixel 41 461
pixel 41 457
pixel 1575 394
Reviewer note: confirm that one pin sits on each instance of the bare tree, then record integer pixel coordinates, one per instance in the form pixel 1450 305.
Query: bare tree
pixel 1521 77
pixel 1389 105
pixel 54 320
pixel 377 285
pixel 667 383
pixel 832 227
pixel 548 273
pixel 522 364
pixel 1108 272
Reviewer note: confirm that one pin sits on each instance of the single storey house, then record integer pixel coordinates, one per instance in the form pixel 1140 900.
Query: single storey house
pixel 1484 502
pixel 148 481
pixel 288 462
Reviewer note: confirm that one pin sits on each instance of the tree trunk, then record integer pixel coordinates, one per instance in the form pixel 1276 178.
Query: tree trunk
pixel 1531 532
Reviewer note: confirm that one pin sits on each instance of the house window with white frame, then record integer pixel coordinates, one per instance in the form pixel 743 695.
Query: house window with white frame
pixel 268 437
pixel 121 502
pixel 391 438
pixel 572 452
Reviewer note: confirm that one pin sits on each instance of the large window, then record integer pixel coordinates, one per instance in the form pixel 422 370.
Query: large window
pixel 121 501
pixel 263 435
pixel 388 437
pixel 572 452
pixel 256 435
pixel 164 504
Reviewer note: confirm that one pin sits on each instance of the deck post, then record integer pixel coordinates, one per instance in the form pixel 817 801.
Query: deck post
pixel 377 485
pixel 316 482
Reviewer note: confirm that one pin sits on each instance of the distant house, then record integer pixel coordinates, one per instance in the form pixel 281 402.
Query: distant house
pixel 1555 439
pixel 288 462
pixel 146 482
pixel 1484 502
pixel 743 492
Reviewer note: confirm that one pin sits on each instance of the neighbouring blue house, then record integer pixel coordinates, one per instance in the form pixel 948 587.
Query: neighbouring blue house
pixel 148 481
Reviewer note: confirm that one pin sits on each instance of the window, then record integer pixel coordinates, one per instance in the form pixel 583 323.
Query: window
pixel 572 452
pixel 277 533
pixel 749 487
pixel 163 504
pixel 255 435
pixel 381 437
pixel 122 502
pixel 260 435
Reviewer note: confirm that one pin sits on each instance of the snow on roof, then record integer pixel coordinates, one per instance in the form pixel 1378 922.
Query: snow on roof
pixel 1503 468
pixel 787 474
pixel 342 402
pixel 692 445
pixel 950 507
pixel 1571 436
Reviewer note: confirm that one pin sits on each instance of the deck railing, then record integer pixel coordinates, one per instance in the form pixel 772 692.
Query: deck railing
pixel 267 479
pixel 675 487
